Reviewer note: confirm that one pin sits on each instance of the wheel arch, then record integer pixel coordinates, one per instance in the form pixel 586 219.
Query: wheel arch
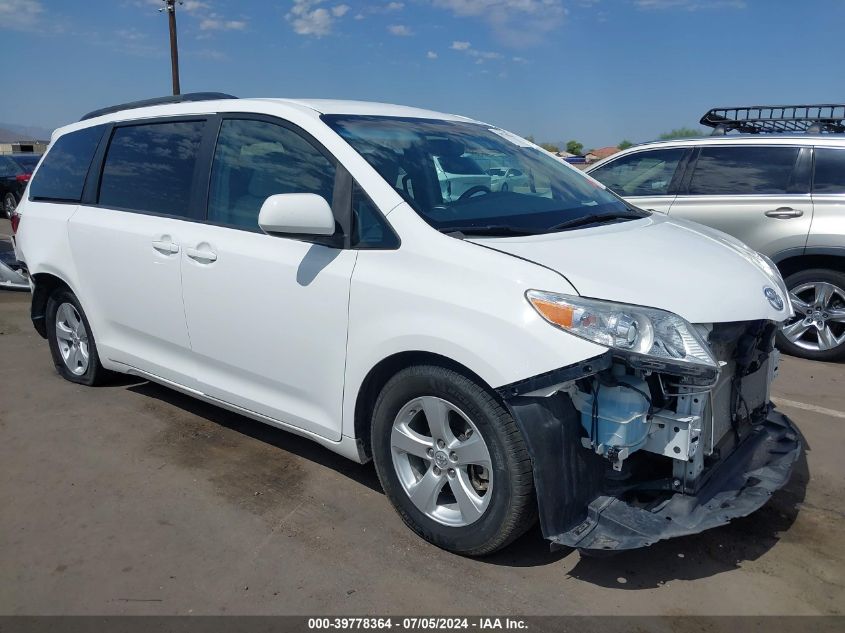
pixel 792 265
pixel 45 285
pixel 383 371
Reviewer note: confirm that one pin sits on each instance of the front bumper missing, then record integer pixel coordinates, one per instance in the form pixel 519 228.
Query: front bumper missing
pixel 738 486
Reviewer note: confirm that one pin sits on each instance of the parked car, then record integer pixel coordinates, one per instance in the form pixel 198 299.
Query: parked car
pixel 783 195
pixel 459 176
pixel 15 172
pixel 499 356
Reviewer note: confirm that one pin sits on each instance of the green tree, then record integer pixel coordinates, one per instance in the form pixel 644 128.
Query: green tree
pixel 530 138
pixel 681 132
pixel 550 147
pixel 625 144
pixel 574 147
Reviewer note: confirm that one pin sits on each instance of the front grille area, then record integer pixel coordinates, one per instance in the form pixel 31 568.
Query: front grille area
pixel 743 349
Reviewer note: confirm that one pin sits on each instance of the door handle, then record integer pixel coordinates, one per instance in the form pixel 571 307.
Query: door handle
pixel 784 213
pixel 166 246
pixel 204 257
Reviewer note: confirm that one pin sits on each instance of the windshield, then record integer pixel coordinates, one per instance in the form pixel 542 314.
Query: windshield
pixel 475 179
pixel 27 163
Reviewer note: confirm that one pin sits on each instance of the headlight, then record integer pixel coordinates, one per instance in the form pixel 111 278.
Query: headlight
pixel 646 332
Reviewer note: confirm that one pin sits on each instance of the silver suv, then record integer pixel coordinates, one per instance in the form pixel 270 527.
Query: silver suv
pixel 783 195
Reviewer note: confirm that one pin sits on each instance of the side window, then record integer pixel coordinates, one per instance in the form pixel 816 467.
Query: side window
pixel 255 160
pixel 731 170
pixel 62 174
pixel 646 173
pixel 829 176
pixel 150 167
pixel 369 228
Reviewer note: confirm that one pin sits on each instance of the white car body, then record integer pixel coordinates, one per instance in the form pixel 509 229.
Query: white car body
pixel 287 332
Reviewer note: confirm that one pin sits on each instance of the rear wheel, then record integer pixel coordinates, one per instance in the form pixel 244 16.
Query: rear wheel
pixel 452 461
pixel 10 203
pixel 71 342
pixel 817 331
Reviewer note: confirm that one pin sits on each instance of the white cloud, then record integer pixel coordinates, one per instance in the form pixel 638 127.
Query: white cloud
pixel 690 5
pixel 394 6
pixel 431 55
pixel 193 5
pixel 479 56
pixel 482 56
pixel 515 22
pixel 19 15
pixel 399 29
pixel 308 18
pixel 214 22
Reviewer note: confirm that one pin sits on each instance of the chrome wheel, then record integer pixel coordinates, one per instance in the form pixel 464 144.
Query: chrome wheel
pixel 442 461
pixel 72 338
pixel 819 321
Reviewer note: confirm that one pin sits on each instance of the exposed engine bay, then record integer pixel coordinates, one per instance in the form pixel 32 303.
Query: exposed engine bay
pixel 689 420
pixel 658 444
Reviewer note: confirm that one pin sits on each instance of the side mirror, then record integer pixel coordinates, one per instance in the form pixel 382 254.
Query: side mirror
pixel 296 213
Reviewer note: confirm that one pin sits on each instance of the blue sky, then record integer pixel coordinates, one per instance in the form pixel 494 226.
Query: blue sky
pixel 593 70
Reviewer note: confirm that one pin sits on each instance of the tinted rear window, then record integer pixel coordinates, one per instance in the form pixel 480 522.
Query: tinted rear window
pixel 743 170
pixel 830 171
pixel 62 174
pixel 150 167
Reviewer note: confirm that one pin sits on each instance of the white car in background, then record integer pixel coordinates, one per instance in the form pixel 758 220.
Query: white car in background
pixel 499 355
pixel 460 176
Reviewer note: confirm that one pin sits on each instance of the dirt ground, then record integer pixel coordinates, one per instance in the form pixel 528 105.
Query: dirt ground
pixel 133 499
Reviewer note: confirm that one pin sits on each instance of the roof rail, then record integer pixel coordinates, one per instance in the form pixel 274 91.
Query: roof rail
pixel 185 98
pixel 812 119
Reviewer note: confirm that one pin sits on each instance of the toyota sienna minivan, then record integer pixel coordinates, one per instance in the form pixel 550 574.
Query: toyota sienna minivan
pixel 550 352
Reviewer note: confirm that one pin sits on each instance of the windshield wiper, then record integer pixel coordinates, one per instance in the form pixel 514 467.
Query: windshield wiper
pixel 596 218
pixel 486 229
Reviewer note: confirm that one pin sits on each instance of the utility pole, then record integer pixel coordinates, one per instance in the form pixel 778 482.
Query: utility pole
pixel 170 8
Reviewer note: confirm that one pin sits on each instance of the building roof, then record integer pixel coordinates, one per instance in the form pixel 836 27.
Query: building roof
pixel 604 152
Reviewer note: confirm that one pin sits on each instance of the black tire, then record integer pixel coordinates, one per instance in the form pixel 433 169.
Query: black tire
pixel 816 275
pixel 10 203
pixel 95 374
pixel 512 508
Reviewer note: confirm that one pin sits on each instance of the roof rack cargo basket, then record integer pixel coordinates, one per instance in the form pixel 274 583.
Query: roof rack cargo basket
pixel 185 98
pixel 811 119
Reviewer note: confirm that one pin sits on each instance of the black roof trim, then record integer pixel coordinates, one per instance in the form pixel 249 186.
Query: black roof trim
pixel 185 98
pixel 813 119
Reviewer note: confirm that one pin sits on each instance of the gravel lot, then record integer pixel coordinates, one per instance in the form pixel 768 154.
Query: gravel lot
pixel 133 499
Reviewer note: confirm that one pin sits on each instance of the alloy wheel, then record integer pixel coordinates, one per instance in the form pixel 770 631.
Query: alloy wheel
pixel 442 461
pixel 9 204
pixel 819 321
pixel 72 338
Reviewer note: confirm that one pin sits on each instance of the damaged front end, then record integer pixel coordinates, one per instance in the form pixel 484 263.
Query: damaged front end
pixel 629 450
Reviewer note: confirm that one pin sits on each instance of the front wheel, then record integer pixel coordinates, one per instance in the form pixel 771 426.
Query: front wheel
pixel 817 331
pixel 452 461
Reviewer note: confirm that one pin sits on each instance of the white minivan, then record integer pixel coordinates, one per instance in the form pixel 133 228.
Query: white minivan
pixel 544 352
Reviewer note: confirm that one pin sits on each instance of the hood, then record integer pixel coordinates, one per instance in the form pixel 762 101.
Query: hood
pixel 698 273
